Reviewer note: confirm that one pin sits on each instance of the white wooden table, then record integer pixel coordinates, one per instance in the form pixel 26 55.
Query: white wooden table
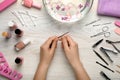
pixel 46 27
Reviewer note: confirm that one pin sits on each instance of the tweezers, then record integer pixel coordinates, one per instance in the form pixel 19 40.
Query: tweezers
pixel 111 51
pixel 104 75
pixel 111 42
pixel 104 66
pixel 100 57
pixel 104 51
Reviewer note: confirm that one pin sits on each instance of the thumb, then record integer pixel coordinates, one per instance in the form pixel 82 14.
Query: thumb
pixel 54 45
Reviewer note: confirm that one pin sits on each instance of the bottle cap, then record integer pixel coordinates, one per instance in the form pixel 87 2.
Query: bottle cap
pixel 26 41
pixel 18 60
pixel 11 23
pixel 4 34
pixel 17 49
pixel 18 31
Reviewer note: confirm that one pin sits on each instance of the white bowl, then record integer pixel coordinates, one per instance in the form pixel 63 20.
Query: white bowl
pixel 67 11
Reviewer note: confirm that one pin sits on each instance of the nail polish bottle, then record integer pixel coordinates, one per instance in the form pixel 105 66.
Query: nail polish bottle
pixel 7 35
pixel 22 44
pixel 19 60
pixel 19 32
pixel 30 3
pixel 12 25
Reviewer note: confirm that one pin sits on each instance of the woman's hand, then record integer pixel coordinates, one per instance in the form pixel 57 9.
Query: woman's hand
pixel 71 50
pixel 47 50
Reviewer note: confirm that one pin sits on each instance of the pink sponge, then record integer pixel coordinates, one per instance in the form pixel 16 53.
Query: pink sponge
pixel 117 23
pixel 117 31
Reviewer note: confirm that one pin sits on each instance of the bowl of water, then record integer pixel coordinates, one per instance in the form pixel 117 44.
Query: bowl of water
pixel 68 11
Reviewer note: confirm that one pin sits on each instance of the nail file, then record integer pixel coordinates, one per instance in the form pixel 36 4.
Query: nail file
pixel 5 4
pixel 6 71
pixel 104 66
pixel 117 31
pixel 117 23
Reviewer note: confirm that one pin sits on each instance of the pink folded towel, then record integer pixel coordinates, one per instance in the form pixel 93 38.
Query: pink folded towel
pixel 109 7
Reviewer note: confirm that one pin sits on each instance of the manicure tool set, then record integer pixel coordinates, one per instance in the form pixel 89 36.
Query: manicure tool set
pixel 106 52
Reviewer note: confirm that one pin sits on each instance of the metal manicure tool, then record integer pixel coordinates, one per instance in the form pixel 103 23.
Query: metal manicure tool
pixel 97 43
pixel 59 37
pixel 105 52
pixel 105 67
pixel 104 32
pixel 112 43
pixel 63 34
pixel 100 57
pixel 104 75
pixel 109 50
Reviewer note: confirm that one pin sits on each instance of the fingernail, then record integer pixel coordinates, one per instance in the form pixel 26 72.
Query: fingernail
pixel 63 36
pixel 66 35
pixel 56 46
pixel 54 36
pixel 56 39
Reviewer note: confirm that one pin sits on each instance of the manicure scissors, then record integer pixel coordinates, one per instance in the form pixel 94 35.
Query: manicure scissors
pixel 104 32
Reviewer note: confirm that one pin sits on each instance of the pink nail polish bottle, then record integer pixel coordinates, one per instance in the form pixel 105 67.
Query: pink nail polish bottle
pixel 30 3
pixel 22 44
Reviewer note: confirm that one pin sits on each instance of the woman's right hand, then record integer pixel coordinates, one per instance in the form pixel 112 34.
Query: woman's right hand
pixel 71 50
pixel 72 53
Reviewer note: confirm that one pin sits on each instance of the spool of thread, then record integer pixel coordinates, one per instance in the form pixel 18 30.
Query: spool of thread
pixel 19 32
pixel 7 35
pixel 19 60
